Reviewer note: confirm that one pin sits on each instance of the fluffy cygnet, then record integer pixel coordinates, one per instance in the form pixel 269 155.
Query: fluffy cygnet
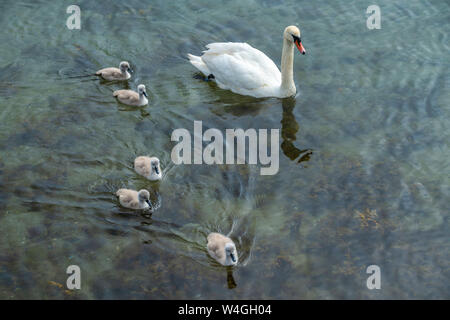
pixel 148 167
pixel 222 249
pixel 132 98
pixel 133 199
pixel 121 73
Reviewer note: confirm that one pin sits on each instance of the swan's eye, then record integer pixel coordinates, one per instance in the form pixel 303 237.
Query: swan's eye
pixel 296 38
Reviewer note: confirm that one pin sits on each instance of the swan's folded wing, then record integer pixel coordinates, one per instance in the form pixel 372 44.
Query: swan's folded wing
pixel 111 72
pixel 238 65
pixel 215 249
pixel 127 200
pixel 212 247
pixel 142 165
pixel 126 197
pixel 134 204
pixel 128 96
pixel 118 92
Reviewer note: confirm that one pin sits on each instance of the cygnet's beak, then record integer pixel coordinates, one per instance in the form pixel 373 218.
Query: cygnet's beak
pixel 145 94
pixel 149 203
pixel 130 70
pixel 156 169
pixel 233 258
pixel 298 43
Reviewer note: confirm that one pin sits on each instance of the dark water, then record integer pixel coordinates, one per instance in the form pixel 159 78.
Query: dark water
pixel 364 159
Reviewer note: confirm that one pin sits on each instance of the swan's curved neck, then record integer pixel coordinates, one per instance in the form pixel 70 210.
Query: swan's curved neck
pixel 142 97
pixel 125 73
pixel 287 65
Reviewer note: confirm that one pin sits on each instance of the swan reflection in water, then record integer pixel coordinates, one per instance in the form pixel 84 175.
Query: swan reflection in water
pixel 230 279
pixel 243 106
pixel 289 129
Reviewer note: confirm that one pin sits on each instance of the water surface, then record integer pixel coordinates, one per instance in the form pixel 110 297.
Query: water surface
pixel 364 149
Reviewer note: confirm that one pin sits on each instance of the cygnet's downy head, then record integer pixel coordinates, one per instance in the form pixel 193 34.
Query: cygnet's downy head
pixel 144 196
pixel 141 90
pixel 292 34
pixel 124 66
pixel 155 166
pixel 155 169
pixel 230 251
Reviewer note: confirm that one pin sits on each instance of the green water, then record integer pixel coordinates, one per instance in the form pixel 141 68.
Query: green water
pixel 364 159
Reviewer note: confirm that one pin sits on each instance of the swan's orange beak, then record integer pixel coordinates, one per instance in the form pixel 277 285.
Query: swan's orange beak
pixel 299 45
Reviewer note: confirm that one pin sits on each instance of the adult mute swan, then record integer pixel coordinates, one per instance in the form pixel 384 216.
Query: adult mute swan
pixel 245 70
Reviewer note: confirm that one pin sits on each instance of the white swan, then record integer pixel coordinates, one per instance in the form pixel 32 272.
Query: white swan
pixel 245 70
pixel 121 73
pixel 222 249
pixel 133 199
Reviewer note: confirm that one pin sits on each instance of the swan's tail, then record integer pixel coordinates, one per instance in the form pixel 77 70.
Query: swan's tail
pixel 197 62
